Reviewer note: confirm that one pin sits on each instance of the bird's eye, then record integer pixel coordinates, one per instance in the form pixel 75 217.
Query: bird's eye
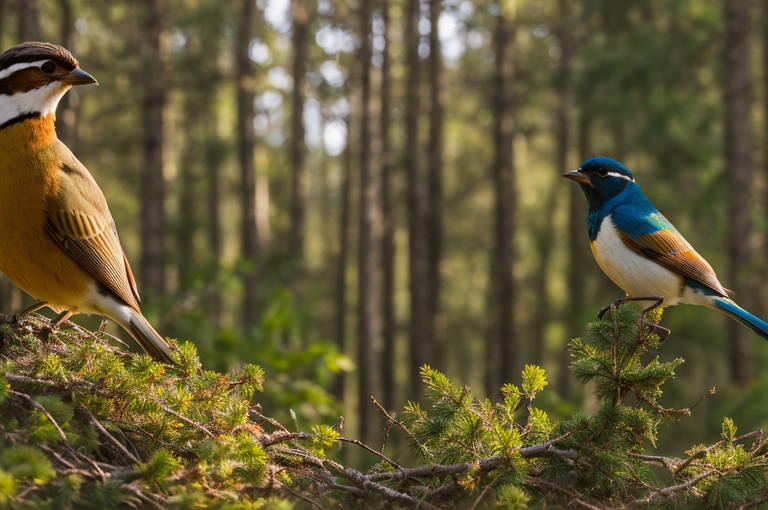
pixel 49 67
pixel 602 172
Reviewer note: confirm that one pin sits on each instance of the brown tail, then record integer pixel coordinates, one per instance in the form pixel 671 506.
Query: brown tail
pixel 149 339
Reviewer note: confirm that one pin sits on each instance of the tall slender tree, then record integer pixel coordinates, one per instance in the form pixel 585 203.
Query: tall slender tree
pixel 435 177
pixel 187 215
pixel 368 300
pixel 214 154
pixel 342 259
pixel 301 17
pixel 389 327
pixel 155 54
pixel 3 4
pixel 246 143
pixel 575 202
pixel 66 115
pixel 738 164
pixel 417 199
pixel 28 20
pixel 503 351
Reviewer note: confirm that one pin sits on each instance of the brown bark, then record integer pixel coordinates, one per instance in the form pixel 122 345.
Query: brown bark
pixel 435 181
pixel 503 351
pixel 153 220
pixel 540 281
pixel 187 216
pixel 578 258
pixel 301 15
pixel 577 234
pixel 343 258
pixel 214 154
pixel 2 20
pixel 246 143
pixel 417 200
pixel 388 227
pixel 738 161
pixel 66 114
pixel 369 320
pixel 28 20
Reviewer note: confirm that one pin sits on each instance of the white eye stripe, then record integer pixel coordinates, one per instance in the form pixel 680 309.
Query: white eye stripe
pixel 617 174
pixel 21 65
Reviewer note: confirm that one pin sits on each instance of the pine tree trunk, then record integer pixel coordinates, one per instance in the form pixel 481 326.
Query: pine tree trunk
pixel 187 216
pixel 738 161
pixel 578 260
pixel 66 114
pixel 369 308
pixel 29 21
pixel 213 158
pixel 246 142
pixel 343 256
pixel 388 235
pixel 2 21
pixel 435 179
pixel 575 201
pixel 418 271
pixel 153 220
pixel 301 14
pixel 507 355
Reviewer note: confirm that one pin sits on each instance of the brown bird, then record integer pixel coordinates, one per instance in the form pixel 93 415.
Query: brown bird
pixel 58 241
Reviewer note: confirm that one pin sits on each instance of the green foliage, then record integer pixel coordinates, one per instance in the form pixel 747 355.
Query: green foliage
pixel 84 425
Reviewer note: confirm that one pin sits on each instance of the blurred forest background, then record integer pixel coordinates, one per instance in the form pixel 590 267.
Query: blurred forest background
pixel 343 190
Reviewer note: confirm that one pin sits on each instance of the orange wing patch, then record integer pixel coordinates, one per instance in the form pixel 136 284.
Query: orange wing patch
pixel 672 251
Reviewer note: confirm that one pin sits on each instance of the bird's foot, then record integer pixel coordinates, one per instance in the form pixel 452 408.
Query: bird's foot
pixel 658 300
pixel 55 323
pixel 60 319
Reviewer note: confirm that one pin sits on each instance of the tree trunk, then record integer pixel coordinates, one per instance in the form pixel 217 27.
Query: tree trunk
pixel 417 200
pixel 540 282
pixel 738 161
pixel 369 325
pixel 246 142
pixel 66 114
pixel 577 235
pixel 153 221
pixel 29 20
pixel 2 21
pixel 578 260
pixel 435 178
pixel 506 358
pixel 187 216
pixel 301 14
pixel 388 234
pixel 214 154
pixel 343 257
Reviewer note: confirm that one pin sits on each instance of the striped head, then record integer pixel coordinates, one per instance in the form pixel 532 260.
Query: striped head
pixel 601 179
pixel 33 78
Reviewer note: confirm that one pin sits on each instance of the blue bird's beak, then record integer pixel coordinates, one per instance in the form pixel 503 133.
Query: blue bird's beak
pixel 576 175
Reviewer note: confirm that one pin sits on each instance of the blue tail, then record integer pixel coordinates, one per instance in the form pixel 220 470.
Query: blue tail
pixel 742 316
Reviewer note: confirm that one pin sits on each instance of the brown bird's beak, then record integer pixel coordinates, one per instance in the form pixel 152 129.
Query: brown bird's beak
pixel 78 77
pixel 576 175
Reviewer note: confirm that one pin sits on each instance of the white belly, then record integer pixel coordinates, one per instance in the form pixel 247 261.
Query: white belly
pixel 636 274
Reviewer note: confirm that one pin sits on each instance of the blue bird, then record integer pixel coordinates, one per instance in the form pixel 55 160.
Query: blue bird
pixel 642 252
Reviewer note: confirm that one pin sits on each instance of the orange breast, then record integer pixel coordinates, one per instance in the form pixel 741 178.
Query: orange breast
pixel 29 256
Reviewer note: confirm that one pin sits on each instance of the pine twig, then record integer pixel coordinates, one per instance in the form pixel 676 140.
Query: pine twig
pixel 112 439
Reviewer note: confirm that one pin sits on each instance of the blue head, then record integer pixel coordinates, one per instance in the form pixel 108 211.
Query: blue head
pixel 601 179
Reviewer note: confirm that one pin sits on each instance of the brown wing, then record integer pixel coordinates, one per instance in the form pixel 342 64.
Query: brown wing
pixel 670 249
pixel 80 222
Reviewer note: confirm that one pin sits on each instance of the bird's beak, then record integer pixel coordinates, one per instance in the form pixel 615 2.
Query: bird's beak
pixel 78 77
pixel 577 176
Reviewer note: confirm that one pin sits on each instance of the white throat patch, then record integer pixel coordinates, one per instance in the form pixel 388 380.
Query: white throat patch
pixel 43 100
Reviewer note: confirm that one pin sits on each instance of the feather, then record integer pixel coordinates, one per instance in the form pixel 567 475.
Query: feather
pixel 79 220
